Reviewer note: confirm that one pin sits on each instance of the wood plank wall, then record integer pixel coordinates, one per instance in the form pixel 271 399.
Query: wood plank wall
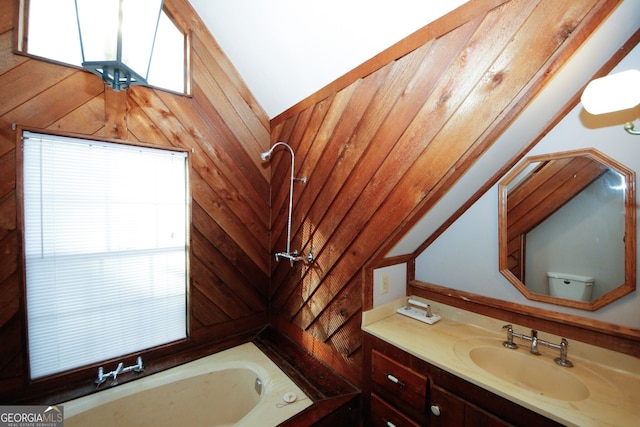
pixel 381 146
pixel 221 122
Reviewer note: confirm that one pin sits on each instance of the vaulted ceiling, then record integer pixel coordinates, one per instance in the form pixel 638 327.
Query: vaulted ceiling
pixel 285 50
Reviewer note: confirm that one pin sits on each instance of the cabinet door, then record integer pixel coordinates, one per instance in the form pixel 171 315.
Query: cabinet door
pixel 449 410
pixel 446 409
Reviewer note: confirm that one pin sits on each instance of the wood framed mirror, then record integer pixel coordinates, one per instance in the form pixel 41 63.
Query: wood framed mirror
pixel 567 229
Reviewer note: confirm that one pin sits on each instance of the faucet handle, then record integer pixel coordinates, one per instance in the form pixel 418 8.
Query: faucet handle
pixel 509 342
pixel 101 377
pixel 534 343
pixel 562 360
pixel 139 366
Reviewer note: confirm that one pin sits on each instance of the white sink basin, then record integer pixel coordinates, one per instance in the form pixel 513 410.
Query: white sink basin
pixel 529 372
pixel 518 367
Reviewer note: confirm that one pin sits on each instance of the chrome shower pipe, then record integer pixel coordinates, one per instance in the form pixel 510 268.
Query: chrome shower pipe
pixel 266 156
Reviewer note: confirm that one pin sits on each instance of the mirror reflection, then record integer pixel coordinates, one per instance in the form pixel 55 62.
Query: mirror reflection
pixel 567 229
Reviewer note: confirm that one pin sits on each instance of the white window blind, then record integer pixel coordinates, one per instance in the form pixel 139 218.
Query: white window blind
pixel 105 229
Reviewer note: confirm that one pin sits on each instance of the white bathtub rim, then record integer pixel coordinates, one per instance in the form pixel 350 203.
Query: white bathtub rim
pixel 275 384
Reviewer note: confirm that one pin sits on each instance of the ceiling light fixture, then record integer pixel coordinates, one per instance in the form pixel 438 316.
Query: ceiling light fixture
pixel 117 38
pixel 615 92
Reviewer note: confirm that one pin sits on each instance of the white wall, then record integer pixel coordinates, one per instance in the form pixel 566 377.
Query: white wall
pixel 397 275
pixel 465 257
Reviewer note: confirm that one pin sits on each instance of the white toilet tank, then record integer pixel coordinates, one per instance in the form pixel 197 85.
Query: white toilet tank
pixel 570 286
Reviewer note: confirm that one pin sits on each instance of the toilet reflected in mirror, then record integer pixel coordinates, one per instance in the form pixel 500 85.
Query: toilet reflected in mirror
pixel 570 286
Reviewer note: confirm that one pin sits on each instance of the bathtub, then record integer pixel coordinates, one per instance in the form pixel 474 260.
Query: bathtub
pixel 217 390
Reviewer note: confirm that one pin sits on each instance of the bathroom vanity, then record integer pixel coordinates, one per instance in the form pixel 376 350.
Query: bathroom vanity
pixel 456 372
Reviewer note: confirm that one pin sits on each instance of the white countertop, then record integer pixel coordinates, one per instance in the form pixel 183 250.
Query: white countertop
pixel 613 379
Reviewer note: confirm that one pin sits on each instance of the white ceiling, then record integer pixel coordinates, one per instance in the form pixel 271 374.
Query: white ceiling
pixel 286 50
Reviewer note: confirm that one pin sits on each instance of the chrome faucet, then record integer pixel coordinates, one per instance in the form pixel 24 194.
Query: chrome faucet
pixel 535 341
pixel 509 342
pixel 563 347
pixel 102 377
pixel 116 372
pixel 295 256
pixel 510 334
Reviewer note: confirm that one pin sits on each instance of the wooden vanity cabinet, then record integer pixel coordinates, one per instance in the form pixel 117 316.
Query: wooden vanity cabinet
pixel 447 409
pixel 399 393
pixel 420 394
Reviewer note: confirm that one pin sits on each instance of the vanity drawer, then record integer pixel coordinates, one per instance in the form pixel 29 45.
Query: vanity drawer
pixel 385 415
pixel 398 384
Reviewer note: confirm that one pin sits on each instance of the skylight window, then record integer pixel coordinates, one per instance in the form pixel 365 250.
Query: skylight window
pixel 51 28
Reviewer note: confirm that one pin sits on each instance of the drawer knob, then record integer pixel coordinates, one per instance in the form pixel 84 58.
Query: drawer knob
pixel 435 410
pixel 395 380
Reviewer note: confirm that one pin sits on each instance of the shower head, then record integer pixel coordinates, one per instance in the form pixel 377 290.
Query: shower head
pixel 267 154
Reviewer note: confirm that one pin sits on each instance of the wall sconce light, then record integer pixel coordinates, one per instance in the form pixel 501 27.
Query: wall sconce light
pixel 117 38
pixel 615 92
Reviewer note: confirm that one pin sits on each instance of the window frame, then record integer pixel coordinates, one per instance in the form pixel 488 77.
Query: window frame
pixel 156 351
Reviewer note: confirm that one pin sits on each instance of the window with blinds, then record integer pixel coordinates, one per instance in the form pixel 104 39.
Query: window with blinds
pixel 105 230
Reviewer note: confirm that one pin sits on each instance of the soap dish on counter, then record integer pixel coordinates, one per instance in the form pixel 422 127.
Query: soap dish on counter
pixel 415 313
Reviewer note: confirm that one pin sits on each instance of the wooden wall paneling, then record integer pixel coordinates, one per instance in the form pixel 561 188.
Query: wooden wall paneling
pixel 53 102
pixel 253 137
pixel 115 117
pixel 7 209
pixel 246 121
pixel 87 119
pixel 355 172
pixel 229 187
pixel 219 252
pixel 470 115
pixel 394 124
pixel 8 174
pixel 204 196
pixel 323 184
pixel 578 35
pixel 7 137
pixel 27 80
pixel 385 174
pixel 7 59
pixel 227 153
pixel 316 157
pixel 204 311
pixel 6 15
pixel 229 181
pixel 220 298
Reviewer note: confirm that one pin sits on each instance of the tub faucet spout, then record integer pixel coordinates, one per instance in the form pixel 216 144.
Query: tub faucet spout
pixel 116 372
